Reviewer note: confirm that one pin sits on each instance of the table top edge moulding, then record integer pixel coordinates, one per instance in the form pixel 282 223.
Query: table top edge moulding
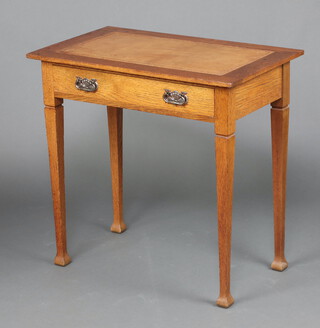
pixel 192 61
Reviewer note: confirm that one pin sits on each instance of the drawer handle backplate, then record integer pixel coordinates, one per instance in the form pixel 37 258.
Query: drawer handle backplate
pixel 175 97
pixel 86 84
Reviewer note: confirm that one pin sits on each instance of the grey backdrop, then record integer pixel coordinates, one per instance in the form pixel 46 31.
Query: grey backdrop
pixel 163 272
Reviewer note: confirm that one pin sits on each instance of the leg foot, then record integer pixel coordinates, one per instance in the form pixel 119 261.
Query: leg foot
pixel 225 301
pixel 279 265
pixel 118 228
pixel 62 260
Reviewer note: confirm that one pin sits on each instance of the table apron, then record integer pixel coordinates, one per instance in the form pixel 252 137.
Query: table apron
pixel 126 91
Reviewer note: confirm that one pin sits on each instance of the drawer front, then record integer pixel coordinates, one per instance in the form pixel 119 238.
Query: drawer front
pixel 134 93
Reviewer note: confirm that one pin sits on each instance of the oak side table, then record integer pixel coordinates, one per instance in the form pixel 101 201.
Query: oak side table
pixel 195 78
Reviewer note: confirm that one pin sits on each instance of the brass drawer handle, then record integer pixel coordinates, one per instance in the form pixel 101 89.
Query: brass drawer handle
pixel 86 84
pixel 175 97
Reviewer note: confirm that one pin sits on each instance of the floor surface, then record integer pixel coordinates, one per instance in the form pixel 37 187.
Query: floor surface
pixel 162 272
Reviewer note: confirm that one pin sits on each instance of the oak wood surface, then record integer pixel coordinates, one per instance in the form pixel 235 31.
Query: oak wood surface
pixel 240 61
pixel 279 129
pixel 257 92
pixel 225 150
pixel 285 88
pixel 115 119
pixel 54 126
pixel 49 97
pixel 137 93
pixel 279 133
pixel 225 123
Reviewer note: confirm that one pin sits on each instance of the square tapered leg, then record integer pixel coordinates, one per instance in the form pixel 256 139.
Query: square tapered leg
pixel 225 147
pixel 115 139
pixel 54 126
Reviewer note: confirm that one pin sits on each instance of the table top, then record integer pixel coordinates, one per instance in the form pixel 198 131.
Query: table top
pixel 174 57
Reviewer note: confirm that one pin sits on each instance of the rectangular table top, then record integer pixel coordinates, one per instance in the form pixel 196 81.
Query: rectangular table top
pixel 174 57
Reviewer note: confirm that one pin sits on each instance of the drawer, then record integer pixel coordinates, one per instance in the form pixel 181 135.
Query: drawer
pixel 127 91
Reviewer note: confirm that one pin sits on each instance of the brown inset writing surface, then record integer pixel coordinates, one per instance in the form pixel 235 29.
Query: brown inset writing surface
pixel 185 55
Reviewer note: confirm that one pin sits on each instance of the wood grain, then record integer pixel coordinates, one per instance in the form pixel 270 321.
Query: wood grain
pixel 115 118
pixel 285 96
pixel 257 92
pixel 279 133
pixel 49 98
pixel 131 92
pixel 54 126
pixel 279 129
pixel 241 70
pixel 225 150
pixel 225 123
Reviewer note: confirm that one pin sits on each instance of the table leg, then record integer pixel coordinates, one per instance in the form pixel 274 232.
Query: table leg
pixel 279 132
pixel 225 149
pixel 115 139
pixel 54 126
